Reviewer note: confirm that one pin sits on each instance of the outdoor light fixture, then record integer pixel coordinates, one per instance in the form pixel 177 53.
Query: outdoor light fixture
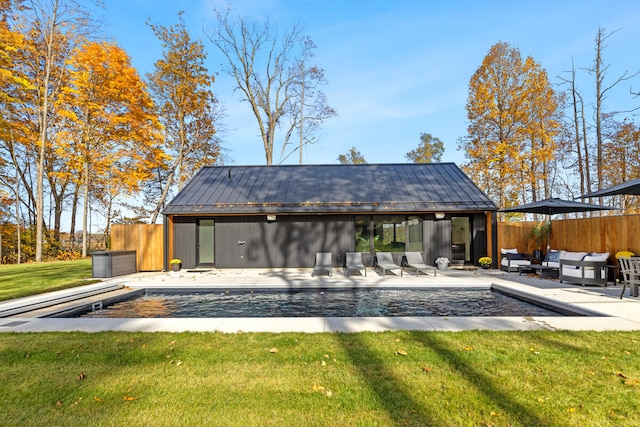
pixel 439 215
pixel 271 218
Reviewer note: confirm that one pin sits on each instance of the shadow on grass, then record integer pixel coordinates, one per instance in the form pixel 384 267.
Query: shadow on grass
pixel 482 382
pixel 392 394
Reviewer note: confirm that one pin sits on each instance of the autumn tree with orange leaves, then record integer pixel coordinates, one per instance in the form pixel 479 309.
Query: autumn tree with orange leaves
pixel 111 137
pixel 180 85
pixel 512 113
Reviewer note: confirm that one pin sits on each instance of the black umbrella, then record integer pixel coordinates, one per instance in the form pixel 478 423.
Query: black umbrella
pixel 630 187
pixel 554 206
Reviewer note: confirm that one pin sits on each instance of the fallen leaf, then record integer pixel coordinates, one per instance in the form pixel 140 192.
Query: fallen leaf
pixel 571 410
pixel 401 353
pixel 317 387
pixel 273 350
pixel 495 414
pixel 427 368
pixel 323 363
pixel 328 393
pixel 627 352
pixel 58 403
pixel 129 398
pixel 541 400
pixel 97 399
pixel 81 376
pixel 632 381
pixel 621 375
pixel 468 348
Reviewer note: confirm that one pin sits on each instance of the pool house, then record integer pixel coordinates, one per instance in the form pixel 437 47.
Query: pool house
pixel 281 216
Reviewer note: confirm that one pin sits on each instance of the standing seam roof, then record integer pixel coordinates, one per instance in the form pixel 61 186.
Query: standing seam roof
pixel 329 188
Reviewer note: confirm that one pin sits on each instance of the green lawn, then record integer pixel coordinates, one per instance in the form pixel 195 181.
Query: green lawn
pixel 366 379
pixel 474 378
pixel 20 280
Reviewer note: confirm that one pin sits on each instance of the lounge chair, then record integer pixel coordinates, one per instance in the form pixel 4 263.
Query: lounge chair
pixel 384 260
pixel 414 260
pixel 354 262
pixel 630 268
pixel 323 263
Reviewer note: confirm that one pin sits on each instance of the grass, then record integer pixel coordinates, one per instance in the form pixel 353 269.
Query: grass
pixel 20 280
pixel 367 379
pixel 472 378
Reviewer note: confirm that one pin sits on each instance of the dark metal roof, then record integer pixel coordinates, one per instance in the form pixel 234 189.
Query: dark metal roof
pixel 407 187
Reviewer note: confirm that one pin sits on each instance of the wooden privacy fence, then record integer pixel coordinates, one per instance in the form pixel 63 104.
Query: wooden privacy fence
pixel 605 234
pixel 145 239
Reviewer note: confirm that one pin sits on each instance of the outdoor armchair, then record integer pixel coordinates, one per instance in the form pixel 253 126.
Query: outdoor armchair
pixel 630 268
pixel 511 260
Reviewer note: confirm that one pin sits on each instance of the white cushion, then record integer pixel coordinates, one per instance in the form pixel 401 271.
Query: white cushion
pixel 573 256
pixel 515 262
pixel 597 257
pixel 509 251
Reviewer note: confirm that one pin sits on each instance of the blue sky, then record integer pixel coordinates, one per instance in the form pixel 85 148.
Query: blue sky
pixel 396 68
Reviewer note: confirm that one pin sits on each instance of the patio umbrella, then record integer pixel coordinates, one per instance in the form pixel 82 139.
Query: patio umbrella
pixel 554 206
pixel 630 187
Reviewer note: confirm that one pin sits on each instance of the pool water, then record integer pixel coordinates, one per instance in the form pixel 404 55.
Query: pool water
pixel 324 303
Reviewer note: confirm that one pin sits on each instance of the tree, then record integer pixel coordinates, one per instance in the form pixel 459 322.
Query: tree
pixel 180 84
pixel 287 86
pixel 429 150
pixel 112 137
pixel 599 71
pixel 352 157
pixel 53 23
pixel 512 121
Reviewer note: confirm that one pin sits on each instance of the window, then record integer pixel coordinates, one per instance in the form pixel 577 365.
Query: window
pixel 389 233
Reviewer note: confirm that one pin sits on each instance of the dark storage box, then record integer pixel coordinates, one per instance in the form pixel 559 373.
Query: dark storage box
pixel 113 263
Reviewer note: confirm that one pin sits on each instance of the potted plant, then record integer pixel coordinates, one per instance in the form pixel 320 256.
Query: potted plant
pixel 539 234
pixel 175 264
pixel 484 261
pixel 442 262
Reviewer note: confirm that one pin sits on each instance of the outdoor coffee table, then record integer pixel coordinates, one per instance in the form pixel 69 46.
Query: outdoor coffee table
pixel 546 271
pixel 525 269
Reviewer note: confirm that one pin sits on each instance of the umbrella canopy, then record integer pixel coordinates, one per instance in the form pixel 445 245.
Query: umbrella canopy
pixel 554 206
pixel 630 187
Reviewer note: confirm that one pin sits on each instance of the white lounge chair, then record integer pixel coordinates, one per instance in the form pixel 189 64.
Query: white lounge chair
pixel 384 260
pixel 414 260
pixel 354 262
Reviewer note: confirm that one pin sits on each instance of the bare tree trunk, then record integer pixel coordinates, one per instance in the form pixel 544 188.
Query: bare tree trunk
pixel 74 212
pixel 86 211
pixel 44 123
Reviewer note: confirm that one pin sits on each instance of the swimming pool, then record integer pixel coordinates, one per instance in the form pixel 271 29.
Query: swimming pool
pixel 372 302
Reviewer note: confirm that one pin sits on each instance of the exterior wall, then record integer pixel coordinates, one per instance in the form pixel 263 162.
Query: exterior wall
pixel 479 238
pixel 290 241
pixel 437 239
pixel 184 240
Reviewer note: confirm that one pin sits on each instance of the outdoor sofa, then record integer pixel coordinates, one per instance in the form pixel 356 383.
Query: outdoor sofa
pixel 584 268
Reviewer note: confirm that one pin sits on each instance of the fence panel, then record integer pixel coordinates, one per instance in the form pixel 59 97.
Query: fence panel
pixel 145 239
pixel 603 234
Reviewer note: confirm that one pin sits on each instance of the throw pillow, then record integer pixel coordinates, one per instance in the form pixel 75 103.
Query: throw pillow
pixel 553 256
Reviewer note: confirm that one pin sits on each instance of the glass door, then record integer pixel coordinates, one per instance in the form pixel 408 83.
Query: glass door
pixel 205 242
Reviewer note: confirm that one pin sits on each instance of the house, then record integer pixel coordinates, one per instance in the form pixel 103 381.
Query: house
pixel 280 216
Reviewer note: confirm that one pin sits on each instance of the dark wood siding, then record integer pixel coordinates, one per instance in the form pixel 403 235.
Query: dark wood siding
pixel 290 241
pixel 184 240
pixel 479 238
pixel 437 239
